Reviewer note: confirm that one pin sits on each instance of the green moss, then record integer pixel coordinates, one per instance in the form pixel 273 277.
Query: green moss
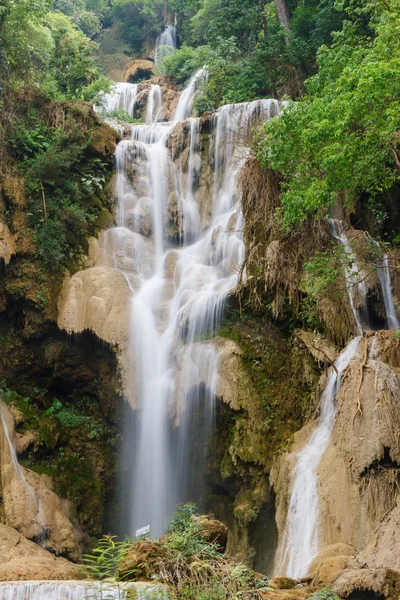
pixel 280 397
pixel 71 446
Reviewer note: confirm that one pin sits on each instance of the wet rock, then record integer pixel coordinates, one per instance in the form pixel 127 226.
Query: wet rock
pixel 136 70
pixel 330 562
pixel 29 503
pixel 385 583
pixel 21 559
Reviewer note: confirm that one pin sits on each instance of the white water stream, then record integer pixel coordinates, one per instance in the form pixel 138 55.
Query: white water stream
pixel 383 271
pixel 122 97
pixel 352 274
pixel 32 499
pixel 179 283
pixel 79 590
pixel 165 44
pixel 299 543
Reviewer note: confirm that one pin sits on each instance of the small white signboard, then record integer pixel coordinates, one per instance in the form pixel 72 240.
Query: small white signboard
pixel 142 532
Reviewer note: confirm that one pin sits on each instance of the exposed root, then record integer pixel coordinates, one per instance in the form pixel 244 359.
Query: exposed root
pixel 360 380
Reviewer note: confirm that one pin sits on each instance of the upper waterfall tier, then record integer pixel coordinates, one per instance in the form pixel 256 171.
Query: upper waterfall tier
pixel 165 44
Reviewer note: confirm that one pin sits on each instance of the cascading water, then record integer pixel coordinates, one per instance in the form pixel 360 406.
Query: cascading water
pixel 299 544
pixel 179 283
pixel 165 44
pixel 383 271
pixel 122 97
pixel 185 104
pixel 32 499
pixel 78 590
pixel 352 273
pixel 154 104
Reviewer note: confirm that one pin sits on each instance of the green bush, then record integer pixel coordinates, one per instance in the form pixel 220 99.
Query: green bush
pixel 181 65
pixel 323 594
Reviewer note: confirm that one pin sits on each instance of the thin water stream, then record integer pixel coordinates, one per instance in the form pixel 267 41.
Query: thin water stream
pixel 299 542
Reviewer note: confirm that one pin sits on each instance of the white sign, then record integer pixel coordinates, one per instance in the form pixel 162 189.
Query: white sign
pixel 143 531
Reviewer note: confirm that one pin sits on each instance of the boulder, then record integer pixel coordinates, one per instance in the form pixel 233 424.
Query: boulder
pixel 326 567
pixel 137 70
pixel 214 532
pixel 142 561
pixel 21 559
pixel 385 583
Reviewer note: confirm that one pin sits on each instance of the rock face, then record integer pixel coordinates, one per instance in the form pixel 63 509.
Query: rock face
pixel 21 559
pixel 136 70
pixel 28 502
pixel 381 583
pixel 359 471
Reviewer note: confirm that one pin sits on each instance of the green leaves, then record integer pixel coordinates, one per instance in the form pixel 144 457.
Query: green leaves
pixel 342 139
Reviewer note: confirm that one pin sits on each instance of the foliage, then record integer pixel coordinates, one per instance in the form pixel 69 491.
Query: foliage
pixel 61 181
pixel 323 594
pixel 88 15
pixel 182 559
pixel 140 21
pixel 45 50
pixel 181 64
pixel 184 534
pixel 342 139
pixel 106 558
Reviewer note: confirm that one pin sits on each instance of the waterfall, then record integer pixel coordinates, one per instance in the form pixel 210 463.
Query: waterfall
pixel 299 544
pixel 352 273
pixel 184 108
pixel 154 104
pixel 79 590
pixel 383 271
pixel 165 44
pixel 179 283
pixel 32 498
pixel 122 97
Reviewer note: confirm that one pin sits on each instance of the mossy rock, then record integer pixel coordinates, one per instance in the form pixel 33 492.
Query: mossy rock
pixel 102 142
pixel 142 561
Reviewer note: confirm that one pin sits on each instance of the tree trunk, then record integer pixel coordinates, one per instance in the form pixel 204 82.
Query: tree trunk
pixel 283 13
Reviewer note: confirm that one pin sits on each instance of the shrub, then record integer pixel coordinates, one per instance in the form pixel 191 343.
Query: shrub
pixel 180 65
pixel 323 594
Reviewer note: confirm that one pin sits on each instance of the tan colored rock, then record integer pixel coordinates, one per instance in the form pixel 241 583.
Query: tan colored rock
pixel 329 563
pixel 21 559
pixel 385 583
pixel 321 349
pixel 136 69
pixel 98 300
pixel 383 548
pixel 357 475
pixel 7 243
pixel 29 503
pixel 233 386
pixel 14 190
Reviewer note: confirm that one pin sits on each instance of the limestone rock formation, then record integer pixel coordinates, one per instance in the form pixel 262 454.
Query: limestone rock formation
pixel 384 583
pixel 21 559
pixel 358 473
pixel 136 70
pixel 28 502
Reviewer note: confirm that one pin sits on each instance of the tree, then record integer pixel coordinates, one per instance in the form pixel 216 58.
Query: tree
pixel 343 138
